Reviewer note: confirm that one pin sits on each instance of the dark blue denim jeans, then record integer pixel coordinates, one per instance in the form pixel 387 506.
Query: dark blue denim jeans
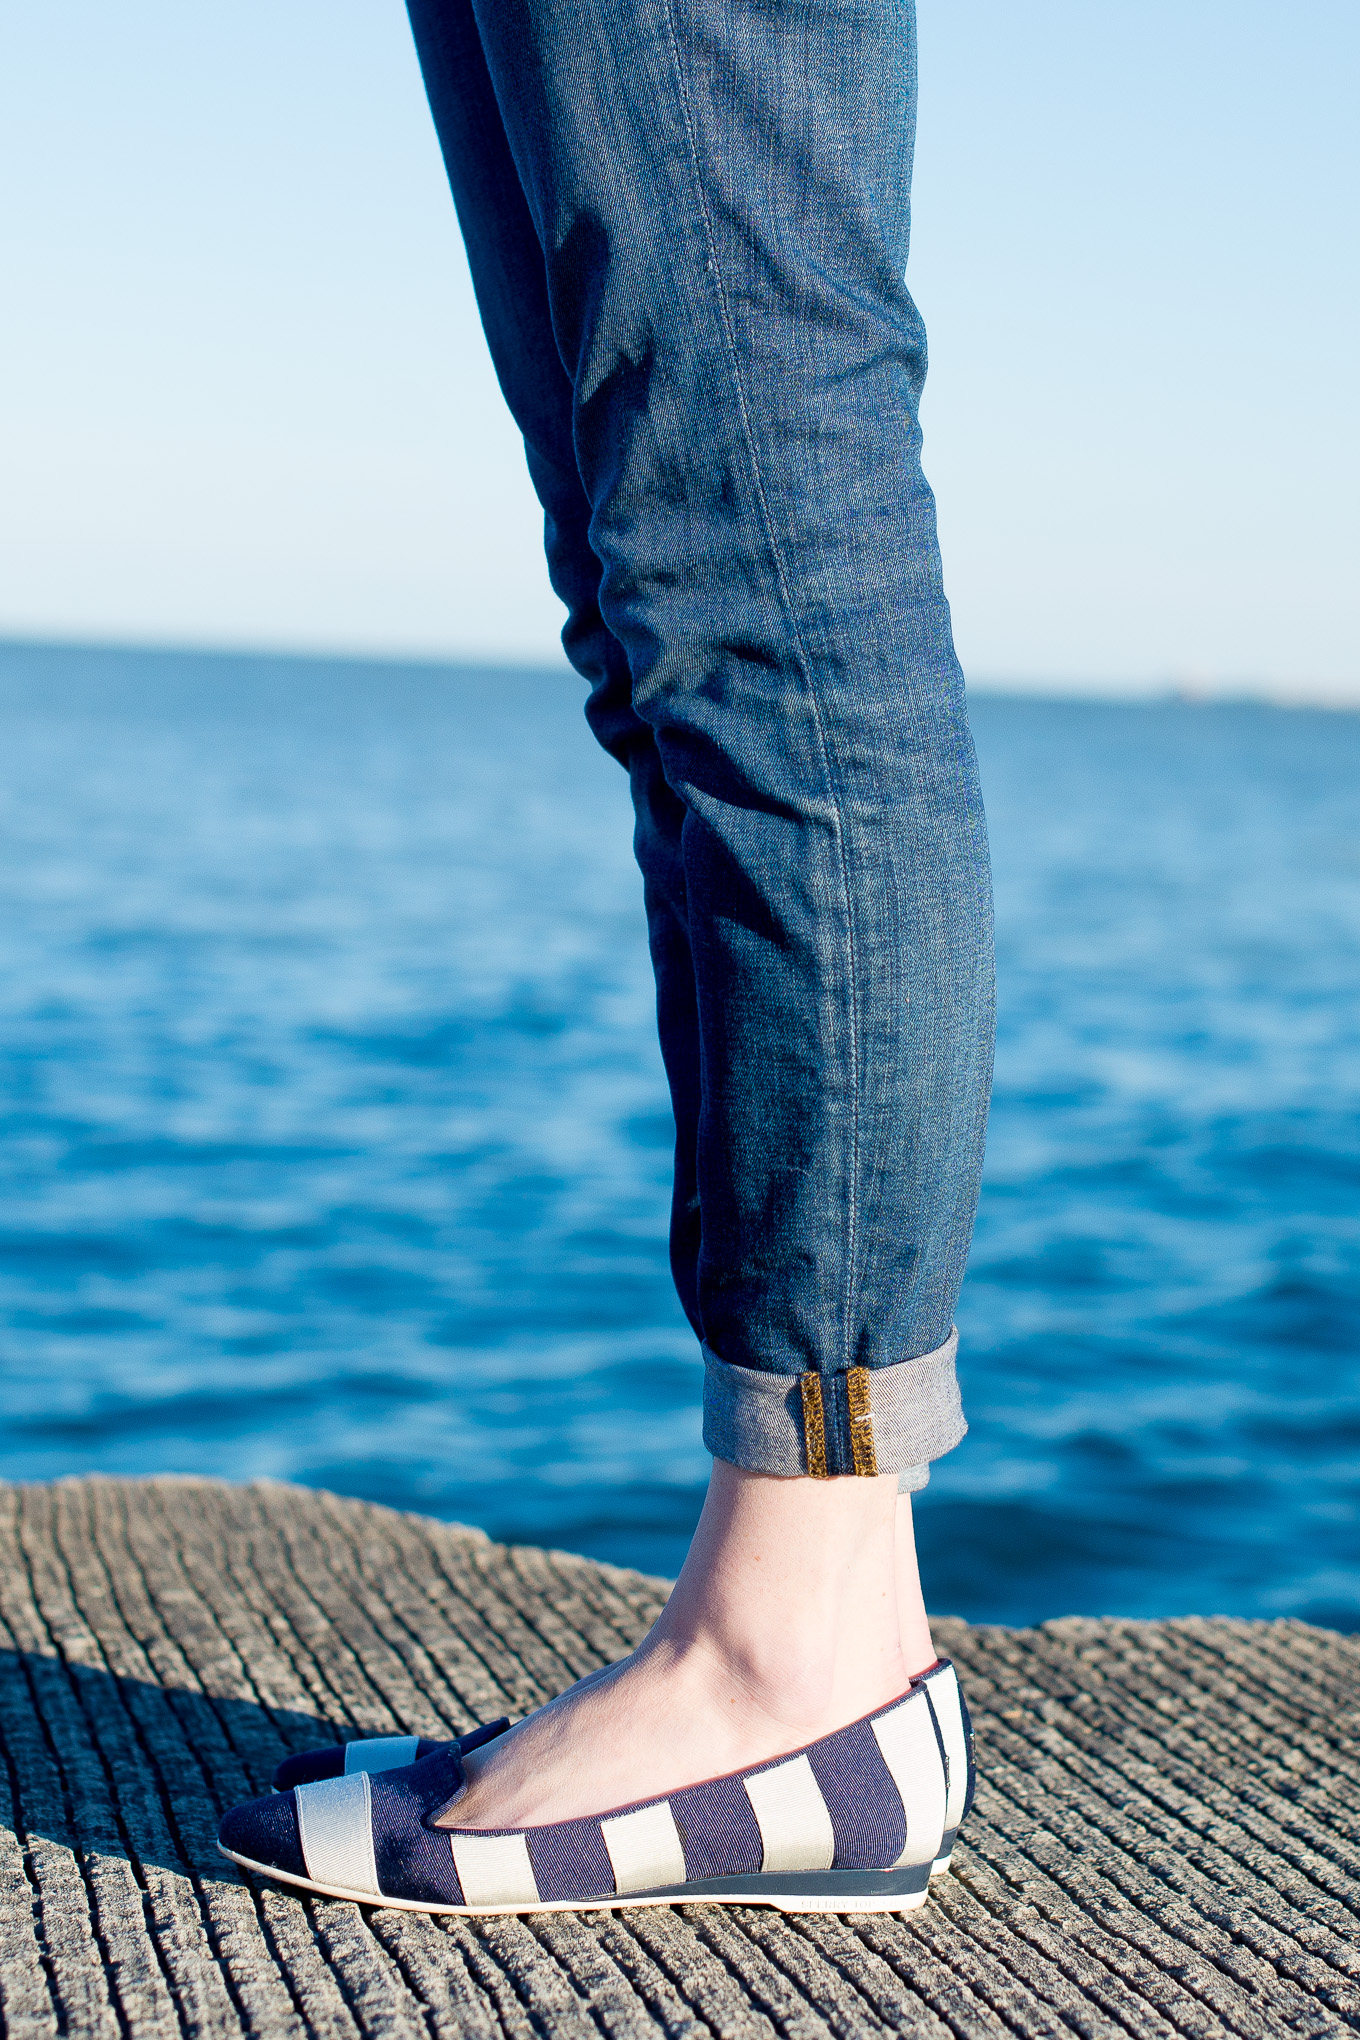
pixel 687 224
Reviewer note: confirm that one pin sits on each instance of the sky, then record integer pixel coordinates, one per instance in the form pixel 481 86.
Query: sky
pixel 247 401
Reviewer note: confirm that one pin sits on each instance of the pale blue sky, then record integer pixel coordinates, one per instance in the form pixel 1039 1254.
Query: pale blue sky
pixel 247 400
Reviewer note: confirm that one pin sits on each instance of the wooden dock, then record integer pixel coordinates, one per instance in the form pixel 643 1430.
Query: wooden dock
pixel 1166 1840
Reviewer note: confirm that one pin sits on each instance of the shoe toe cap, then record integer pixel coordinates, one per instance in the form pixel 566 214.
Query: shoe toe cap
pixel 266 1832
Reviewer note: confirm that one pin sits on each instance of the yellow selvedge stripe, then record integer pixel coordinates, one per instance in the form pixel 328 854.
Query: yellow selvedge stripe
pixel 814 1425
pixel 861 1422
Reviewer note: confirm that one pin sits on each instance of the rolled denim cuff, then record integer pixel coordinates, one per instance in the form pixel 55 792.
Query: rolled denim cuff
pixel 893 1419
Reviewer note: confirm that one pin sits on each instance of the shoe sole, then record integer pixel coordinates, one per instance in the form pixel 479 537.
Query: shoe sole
pixel 800 1891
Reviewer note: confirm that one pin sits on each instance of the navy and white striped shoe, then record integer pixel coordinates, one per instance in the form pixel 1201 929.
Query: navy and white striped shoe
pixel 393 1752
pixel 852 1823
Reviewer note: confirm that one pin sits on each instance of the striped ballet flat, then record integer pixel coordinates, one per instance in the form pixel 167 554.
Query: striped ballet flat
pixel 394 1752
pixel 854 1822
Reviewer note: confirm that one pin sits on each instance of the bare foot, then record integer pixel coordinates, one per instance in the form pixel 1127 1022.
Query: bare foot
pixel 783 1625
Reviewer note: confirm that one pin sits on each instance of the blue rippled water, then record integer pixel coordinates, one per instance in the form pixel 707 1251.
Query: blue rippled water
pixel 336 1144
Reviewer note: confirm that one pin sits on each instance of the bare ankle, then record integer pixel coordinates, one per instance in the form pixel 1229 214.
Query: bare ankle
pixel 918 1648
pixel 791 1586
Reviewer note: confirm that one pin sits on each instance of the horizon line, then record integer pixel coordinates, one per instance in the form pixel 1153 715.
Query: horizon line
pixel 1192 688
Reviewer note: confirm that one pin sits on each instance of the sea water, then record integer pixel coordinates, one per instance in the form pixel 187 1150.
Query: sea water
pixel 336 1145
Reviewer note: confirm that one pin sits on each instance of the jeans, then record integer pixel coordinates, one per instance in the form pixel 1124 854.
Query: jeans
pixel 687 225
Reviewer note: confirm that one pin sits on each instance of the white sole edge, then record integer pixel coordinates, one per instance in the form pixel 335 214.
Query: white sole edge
pixel 788 1902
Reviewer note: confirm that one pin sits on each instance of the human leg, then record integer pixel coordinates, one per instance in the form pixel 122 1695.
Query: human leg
pixel 732 493
pixel 719 197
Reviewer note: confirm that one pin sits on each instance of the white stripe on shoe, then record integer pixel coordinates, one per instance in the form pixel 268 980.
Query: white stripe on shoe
pixel 795 1826
pixel 381 1753
pixel 911 1752
pixel 494 1869
pixel 949 1715
pixel 335 1828
pixel 644 1848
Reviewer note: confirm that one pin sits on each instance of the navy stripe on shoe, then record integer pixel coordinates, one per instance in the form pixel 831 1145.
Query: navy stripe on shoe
pixel 413 1860
pixel 718 1829
pixel 570 1861
pixel 867 1816
pixel 970 1793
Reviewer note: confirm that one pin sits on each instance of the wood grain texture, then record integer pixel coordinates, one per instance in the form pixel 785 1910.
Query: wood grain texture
pixel 1166 1841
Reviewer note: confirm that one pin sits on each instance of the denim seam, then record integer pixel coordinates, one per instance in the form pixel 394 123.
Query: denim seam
pixel 804 667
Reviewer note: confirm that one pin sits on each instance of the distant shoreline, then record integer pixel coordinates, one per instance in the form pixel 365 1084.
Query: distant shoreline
pixel 1169 691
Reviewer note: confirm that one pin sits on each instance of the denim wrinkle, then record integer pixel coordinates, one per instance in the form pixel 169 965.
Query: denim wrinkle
pixel 687 223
